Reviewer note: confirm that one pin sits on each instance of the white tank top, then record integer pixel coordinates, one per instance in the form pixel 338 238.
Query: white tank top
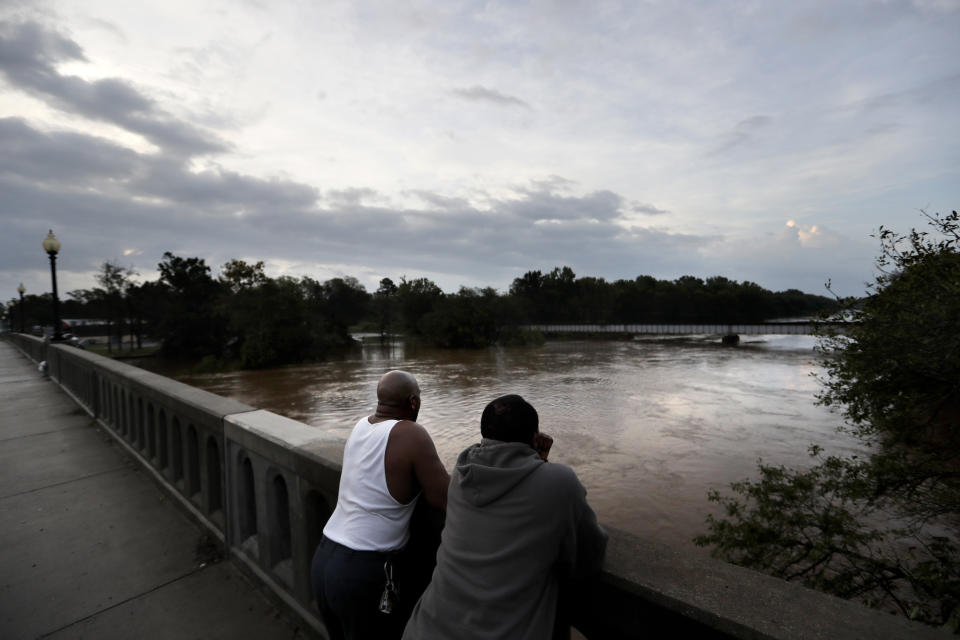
pixel 367 517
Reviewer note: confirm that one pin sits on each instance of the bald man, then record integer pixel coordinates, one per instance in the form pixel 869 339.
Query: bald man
pixel 388 461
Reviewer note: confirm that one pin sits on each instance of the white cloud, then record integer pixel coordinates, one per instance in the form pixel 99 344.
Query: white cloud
pixel 810 236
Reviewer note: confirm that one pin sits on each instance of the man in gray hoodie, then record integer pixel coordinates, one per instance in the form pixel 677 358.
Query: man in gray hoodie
pixel 517 530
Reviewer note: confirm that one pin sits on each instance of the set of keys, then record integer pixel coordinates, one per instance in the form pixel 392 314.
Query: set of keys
pixel 391 595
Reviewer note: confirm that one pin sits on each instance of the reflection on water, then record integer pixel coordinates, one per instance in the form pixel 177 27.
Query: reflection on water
pixel 649 425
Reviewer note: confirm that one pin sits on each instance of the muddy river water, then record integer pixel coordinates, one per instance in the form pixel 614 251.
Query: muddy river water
pixel 648 425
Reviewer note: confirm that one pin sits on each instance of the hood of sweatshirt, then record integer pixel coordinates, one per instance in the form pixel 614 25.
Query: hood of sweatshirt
pixel 490 469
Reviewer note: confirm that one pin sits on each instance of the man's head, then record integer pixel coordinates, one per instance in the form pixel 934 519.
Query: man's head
pixel 399 394
pixel 509 418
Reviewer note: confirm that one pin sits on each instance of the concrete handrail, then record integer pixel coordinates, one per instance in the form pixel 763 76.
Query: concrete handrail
pixel 265 485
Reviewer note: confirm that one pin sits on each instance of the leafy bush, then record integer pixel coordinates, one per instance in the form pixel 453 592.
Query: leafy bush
pixel 882 528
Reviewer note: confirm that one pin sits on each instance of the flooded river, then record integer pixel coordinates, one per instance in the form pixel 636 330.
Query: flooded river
pixel 649 425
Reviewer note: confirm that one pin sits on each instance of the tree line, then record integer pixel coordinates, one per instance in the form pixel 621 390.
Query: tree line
pixel 246 317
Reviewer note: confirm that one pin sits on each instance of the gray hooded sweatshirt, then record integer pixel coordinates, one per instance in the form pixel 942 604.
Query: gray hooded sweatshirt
pixel 516 528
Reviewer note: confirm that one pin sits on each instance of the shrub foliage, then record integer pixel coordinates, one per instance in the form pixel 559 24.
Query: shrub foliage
pixel 882 527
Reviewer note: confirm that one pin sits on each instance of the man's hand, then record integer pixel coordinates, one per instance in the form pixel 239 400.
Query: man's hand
pixel 541 444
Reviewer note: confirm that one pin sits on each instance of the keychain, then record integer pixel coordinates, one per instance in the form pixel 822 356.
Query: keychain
pixel 390 592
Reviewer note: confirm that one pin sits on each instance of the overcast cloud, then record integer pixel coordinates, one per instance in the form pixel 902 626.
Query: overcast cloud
pixel 471 142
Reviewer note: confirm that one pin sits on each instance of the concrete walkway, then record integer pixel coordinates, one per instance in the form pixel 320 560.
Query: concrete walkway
pixel 90 547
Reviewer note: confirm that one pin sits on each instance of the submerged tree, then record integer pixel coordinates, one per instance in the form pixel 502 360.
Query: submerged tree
pixel 883 527
pixel 414 300
pixel 383 307
pixel 466 319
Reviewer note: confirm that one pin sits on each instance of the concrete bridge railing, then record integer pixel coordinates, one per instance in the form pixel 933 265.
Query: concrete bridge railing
pixel 264 485
pixel 260 483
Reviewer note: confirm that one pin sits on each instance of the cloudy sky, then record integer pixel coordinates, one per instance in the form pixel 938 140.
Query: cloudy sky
pixel 469 142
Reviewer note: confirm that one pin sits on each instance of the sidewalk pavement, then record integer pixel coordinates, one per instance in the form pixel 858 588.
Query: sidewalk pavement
pixel 91 547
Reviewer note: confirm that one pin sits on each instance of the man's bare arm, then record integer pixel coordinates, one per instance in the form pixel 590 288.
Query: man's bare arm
pixel 412 458
pixel 430 472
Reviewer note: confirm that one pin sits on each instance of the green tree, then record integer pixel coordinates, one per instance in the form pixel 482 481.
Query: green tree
pixel 527 291
pixel 467 319
pixel 273 321
pixel 115 282
pixel 345 301
pixel 415 299
pixel 883 527
pixel 238 275
pixel 269 323
pixel 189 321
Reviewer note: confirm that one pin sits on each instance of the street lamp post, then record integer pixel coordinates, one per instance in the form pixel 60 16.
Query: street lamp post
pixel 21 289
pixel 52 246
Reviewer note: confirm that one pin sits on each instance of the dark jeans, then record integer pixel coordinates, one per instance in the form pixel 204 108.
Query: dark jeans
pixel 348 585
